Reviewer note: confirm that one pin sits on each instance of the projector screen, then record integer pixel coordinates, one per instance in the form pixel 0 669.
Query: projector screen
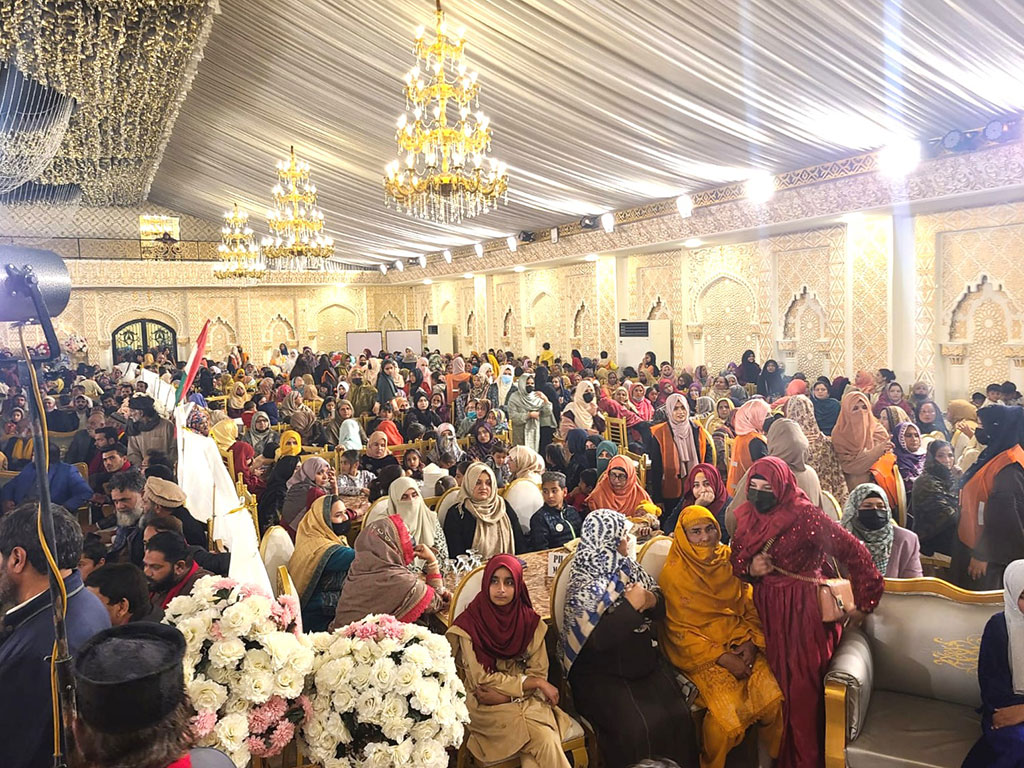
pixel 399 340
pixel 357 341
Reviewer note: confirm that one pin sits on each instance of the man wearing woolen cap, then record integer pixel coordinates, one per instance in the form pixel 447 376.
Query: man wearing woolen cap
pixel 132 708
pixel 166 498
pixel 148 431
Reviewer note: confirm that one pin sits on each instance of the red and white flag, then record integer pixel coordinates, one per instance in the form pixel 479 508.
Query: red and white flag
pixel 192 368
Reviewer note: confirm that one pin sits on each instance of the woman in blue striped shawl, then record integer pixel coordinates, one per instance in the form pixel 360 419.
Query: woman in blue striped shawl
pixel 620 682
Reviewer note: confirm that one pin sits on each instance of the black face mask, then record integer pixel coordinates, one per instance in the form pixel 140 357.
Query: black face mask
pixel 872 519
pixel 763 501
pixel 340 529
pixel 357 382
pixel 588 397
pixel 529 388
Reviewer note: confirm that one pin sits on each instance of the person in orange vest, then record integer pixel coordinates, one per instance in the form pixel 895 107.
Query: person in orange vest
pixel 750 444
pixel 991 528
pixel 676 447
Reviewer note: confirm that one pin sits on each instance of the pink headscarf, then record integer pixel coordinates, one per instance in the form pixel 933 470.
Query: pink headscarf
pixel 750 417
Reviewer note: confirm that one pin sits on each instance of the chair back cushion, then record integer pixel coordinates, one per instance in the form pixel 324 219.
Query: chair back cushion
pixel 447 502
pixel 468 588
pixel 927 645
pixel 378 506
pixel 830 505
pixel 525 498
pixel 276 550
pixel 559 589
pixel 653 555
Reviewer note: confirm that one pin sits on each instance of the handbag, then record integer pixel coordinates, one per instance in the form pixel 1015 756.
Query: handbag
pixel 835 596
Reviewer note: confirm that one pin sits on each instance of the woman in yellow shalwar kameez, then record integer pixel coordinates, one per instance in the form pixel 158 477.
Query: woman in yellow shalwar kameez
pixel 712 634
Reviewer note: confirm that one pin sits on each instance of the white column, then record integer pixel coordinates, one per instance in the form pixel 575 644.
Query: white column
pixel 902 297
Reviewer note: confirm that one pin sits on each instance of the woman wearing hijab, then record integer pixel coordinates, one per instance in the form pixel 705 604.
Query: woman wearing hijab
pixel 992 491
pixel 838 388
pixel 910 454
pixel 291 403
pixel 420 413
pixel 711 632
pixel 499 390
pixel 750 443
pixel 546 386
pixel 895 550
pixel 285 463
pixel 498 643
pixel 387 390
pixel 749 371
pixel 929 419
pixel 606 451
pixel 362 393
pixel 306 424
pixel 892 396
pixel 821 455
pixel 404 500
pixel 864 381
pixel 705 407
pixel 446 443
pixel 312 479
pixel 640 404
pixel 677 445
pixel 738 394
pixel 377 455
pixel 525 464
pixel 769 383
pixel 224 433
pixel 243 457
pixel 719 418
pixel 935 501
pixel 198 421
pixel 581 413
pixel 379 580
pixel 826 407
pixel 482 442
pixel 236 400
pixel 705 488
pixel 480 519
pixel 259 433
pixel 963 419
pixel 531 415
pixel 610 654
pixel 891 417
pixel 859 439
pixel 319 564
pixel 777 530
pixel 1001 677
pixel 577 361
pixel 456 377
pixel 619 489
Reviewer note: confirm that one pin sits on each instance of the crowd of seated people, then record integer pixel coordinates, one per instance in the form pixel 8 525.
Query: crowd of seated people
pixel 761 479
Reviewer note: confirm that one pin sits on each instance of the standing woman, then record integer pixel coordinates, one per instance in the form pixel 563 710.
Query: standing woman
pixel 928 417
pixel 892 396
pixel 778 527
pixel 531 415
pixel 611 656
pixel 750 444
pixel 749 370
pixel 649 365
pixel 499 391
pixel 859 439
pixel 820 452
pixel 936 503
pixel 387 390
pixel 480 519
pixel 826 407
pixel 769 383
pixel 910 454
pixel 498 643
pixel 639 403
pixel 676 447
pixel 544 384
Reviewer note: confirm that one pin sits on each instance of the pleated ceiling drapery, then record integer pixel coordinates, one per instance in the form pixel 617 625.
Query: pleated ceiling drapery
pixel 595 104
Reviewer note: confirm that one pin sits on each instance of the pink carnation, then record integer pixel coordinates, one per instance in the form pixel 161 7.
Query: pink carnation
pixel 215 631
pixel 203 723
pixel 307 707
pixel 249 589
pixel 276 707
pixel 258 746
pixel 259 720
pixel 283 735
pixel 225 583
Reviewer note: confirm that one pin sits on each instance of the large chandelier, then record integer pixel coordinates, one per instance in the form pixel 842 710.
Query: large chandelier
pixel 441 174
pixel 239 255
pixel 296 224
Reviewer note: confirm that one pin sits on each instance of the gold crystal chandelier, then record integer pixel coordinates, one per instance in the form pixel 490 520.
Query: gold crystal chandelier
pixel 296 224
pixel 239 255
pixel 441 175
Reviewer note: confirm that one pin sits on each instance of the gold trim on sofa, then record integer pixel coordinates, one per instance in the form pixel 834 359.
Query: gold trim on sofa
pixel 929 585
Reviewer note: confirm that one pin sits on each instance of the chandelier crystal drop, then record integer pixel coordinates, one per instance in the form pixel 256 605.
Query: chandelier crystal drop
pixel 296 224
pixel 240 257
pixel 443 173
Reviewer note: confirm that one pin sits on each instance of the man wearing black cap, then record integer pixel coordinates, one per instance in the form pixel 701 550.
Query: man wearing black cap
pixel 132 709
pixel 26 724
pixel 149 432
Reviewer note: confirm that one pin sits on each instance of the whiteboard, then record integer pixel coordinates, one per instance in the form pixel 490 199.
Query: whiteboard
pixel 357 341
pixel 399 340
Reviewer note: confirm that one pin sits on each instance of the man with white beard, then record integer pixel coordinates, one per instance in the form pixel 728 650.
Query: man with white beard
pixel 126 489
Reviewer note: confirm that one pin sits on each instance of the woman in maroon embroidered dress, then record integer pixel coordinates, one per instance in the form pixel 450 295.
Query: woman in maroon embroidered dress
pixel 799 646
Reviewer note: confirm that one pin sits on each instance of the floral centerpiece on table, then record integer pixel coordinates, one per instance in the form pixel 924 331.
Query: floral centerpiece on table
pixel 75 345
pixel 384 694
pixel 246 666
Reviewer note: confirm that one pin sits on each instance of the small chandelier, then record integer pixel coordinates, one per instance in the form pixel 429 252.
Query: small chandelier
pixel 296 224
pixel 441 173
pixel 239 255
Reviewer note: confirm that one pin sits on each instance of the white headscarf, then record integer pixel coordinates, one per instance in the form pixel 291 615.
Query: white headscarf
pixel 582 411
pixel 1013 586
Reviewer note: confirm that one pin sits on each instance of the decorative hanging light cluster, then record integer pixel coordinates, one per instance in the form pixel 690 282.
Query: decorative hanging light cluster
pixel 443 173
pixel 296 224
pixel 239 255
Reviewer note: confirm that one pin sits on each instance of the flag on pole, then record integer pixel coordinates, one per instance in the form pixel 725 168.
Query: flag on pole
pixel 192 368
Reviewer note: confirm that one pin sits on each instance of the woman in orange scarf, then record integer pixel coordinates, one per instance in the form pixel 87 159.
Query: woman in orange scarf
pixel 861 441
pixel 712 633
pixel 618 488
pixel 750 444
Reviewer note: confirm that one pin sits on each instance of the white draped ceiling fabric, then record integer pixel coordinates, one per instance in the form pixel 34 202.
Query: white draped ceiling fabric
pixel 595 104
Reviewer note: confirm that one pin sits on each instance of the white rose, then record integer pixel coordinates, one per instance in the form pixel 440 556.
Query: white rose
pixel 281 646
pixel 227 653
pixel 342 646
pixel 321 641
pixel 394 707
pixel 379 758
pixel 343 700
pixel 289 683
pixel 257 660
pixel 383 674
pixel 429 754
pixel 241 757
pixel 417 656
pixel 406 677
pixel 257 687
pixel 183 605
pixel 360 678
pixel 195 631
pixel 236 704
pixel 427 698
pixel 368 706
pixel 207 695
pixel 301 660
pixel 236 620
pixel 232 730
pixel 258 607
pixel 402 752
pixel 424 730
pixel 363 653
pixel 334 673
pixel 395 728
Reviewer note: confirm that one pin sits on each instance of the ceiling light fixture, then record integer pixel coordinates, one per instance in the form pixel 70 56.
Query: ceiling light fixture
pixel 519 268
pixel 383 269
pixel 422 260
pixel 693 242
pixel 526 237
pixel 296 224
pixel 554 235
pixel 591 257
pixel 899 157
pixel 759 188
pixel 684 204
pixel 468 275
pixel 239 255
pixel 513 244
pixel 399 265
pixel 447 256
pixel 479 248
pixel 427 281
pixel 608 222
pixel 588 222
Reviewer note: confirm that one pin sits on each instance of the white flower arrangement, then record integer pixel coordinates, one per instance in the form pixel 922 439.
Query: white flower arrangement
pixel 383 694
pixel 246 666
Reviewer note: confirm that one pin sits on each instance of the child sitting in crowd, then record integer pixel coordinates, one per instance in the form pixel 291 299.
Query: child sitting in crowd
pixel 555 523
pixel 353 481
pixel 578 496
pixel 412 463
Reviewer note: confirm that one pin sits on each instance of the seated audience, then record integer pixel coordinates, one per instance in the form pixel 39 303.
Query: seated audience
pixel 555 522
pixel 619 680
pixel 405 500
pixel 498 642
pixel 895 550
pixel 320 563
pixel 353 481
pixel 703 488
pixel 313 478
pixel 148 431
pixel 480 519
pixel 170 568
pixel 218 563
pixel 67 486
pixel 618 489
pixel 25 707
pixel 126 490
pixel 166 498
pixel 712 633
pixel 377 455
pixel 379 579
pixel 124 592
pixel 94 554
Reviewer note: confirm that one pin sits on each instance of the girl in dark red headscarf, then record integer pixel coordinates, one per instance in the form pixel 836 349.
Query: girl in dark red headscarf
pixel 779 527
pixel 701 481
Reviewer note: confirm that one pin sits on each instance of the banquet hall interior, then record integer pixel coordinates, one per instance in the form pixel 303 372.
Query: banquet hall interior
pixel 779 244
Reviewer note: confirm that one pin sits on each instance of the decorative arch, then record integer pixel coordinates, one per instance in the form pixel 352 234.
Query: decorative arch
pixel 506 323
pixel 279 331
pixel 539 298
pixel 389 322
pixel 955 320
pixel 725 314
pixel 659 311
pixel 143 336
pixel 710 283
pixel 578 319
pixel 220 338
pixel 470 323
pixel 986 337
pixel 333 322
pixel 805 345
pixel 119 318
pixel 423 326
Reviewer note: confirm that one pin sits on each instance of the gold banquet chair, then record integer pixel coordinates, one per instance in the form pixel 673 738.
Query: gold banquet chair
pixel 615 431
pixel 575 741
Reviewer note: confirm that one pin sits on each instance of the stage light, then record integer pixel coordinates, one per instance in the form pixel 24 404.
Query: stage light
pixel 513 245
pixel 479 248
pixel 759 188
pixel 527 237
pixel 608 222
pixel 554 234
pixel 447 256
pixel 422 260
pixel 46 269
pixel 899 158
pixel 994 130
pixel 952 140
pixel 383 269
pixel 588 222
pixel 399 265
pixel 684 204
pixel 693 242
